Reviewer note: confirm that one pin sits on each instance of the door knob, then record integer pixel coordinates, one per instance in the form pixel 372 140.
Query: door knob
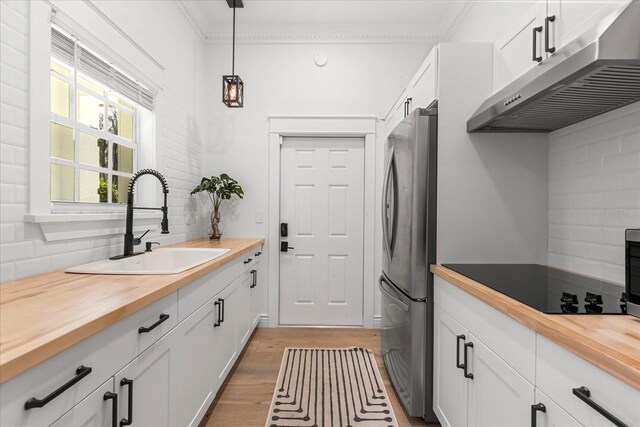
pixel 284 246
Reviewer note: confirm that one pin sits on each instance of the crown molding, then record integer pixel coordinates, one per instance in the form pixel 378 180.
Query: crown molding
pixel 324 38
pixel 186 11
pixel 457 20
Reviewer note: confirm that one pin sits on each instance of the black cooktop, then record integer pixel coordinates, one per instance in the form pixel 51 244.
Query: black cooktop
pixel 548 289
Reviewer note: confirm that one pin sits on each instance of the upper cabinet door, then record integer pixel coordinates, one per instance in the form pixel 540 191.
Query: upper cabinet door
pixel 498 395
pixel 424 85
pixel 515 53
pixel 571 18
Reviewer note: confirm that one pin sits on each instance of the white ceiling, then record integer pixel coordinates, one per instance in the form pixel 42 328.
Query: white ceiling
pixel 428 18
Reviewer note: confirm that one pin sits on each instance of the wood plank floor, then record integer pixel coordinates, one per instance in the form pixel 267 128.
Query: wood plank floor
pixel 246 393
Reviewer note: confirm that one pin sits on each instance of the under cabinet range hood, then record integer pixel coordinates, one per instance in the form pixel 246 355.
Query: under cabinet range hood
pixel 595 73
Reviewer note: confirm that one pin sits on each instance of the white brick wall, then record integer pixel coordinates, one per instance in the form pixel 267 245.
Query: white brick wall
pixel 594 193
pixel 160 28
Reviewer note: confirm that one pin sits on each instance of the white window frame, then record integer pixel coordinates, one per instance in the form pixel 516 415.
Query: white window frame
pixel 70 220
pixel 78 127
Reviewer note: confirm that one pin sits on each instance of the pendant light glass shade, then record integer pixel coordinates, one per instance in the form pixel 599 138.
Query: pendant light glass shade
pixel 232 85
pixel 232 91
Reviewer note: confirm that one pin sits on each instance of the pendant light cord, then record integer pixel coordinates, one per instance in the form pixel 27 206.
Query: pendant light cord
pixel 233 43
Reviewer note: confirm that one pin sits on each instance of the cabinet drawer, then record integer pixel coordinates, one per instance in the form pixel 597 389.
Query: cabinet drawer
pixel 194 295
pixel 509 339
pixel 560 371
pixel 93 410
pixel 250 259
pixel 551 415
pixel 104 353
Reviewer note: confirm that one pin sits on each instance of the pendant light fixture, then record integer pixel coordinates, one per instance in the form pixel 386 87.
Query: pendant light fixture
pixel 232 85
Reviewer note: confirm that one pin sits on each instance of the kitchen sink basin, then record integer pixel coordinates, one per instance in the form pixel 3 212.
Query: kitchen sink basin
pixel 160 261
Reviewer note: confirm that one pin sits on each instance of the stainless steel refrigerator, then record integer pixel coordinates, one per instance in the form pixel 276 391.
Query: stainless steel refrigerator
pixel 409 232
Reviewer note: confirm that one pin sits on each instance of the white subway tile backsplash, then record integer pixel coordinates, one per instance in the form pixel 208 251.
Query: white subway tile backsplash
pixel 592 202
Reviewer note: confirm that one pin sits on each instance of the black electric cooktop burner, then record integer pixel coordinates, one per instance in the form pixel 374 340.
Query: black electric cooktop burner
pixel 548 289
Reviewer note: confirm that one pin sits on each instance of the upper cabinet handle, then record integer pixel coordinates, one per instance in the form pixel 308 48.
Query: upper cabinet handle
pixel 536 30
pixel 459 338
pixel 534 412
pixel 145 329
pixel 584 394
pixel 465 366
pixel 81 372
pixel 547 21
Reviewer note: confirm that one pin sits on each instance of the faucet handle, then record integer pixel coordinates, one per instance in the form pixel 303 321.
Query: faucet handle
pixel 138 240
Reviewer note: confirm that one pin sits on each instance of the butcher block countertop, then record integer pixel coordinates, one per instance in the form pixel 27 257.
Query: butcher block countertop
pixel 43 315
pixel 610 342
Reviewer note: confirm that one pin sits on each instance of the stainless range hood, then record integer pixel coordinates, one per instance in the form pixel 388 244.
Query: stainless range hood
pixel 596 73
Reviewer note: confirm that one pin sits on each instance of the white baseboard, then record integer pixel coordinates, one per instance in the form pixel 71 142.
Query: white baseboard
pixel 264 321
pixel 377 322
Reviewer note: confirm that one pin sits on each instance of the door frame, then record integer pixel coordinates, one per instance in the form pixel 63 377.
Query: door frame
pixel 325 126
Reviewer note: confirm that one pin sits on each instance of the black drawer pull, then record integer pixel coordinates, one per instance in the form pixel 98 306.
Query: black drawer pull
pixel 584 394
pixel 114 407
pixel 534 413
pixel 248 260
pixel 257 254
pixel 144 329
pixel 127 421
pixel 254 278
pixel 536 30
pixel 465 366
pixel 458 339
pixel 81 372
pixel 217 322
pixel 221 301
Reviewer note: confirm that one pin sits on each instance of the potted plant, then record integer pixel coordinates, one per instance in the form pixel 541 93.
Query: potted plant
pixel 218 188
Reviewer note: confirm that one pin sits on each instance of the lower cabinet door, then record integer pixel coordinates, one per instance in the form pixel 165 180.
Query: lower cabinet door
pixel 146 386
pixel 225 334
pixel 449 383
pixel 196 363
pixel 96 410
pixel 546 413
pixel 498 395
pixel 242 307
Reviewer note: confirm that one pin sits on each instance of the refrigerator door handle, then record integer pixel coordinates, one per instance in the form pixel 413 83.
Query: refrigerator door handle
pixel 387 288
pixel 385 208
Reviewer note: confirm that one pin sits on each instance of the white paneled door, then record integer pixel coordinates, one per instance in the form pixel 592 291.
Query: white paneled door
pixel 322 202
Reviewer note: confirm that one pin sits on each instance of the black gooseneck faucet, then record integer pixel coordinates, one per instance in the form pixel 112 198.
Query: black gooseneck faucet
pixel 129 240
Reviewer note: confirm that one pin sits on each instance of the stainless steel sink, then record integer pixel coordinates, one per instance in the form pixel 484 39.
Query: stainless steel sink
pixel 160 261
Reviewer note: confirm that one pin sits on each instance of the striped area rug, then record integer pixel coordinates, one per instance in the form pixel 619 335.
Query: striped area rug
pixel 330 387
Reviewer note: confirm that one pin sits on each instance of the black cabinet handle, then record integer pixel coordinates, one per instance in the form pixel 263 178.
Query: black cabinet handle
pixel 584 394
pixel 547 20
pixel 248 260
pixel 81 372
pixel 465 365
pixel 458 339
pixel 254 278
pixel 535 43
pixel 257 254
pixel 127 421
pixel 534 413
pixel 114 407
pixel 221 301
pixel 145 329
pixel 217 322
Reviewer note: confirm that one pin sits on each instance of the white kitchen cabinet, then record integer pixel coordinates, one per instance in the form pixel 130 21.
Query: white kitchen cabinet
pixel 225 340
pixel 396 115
pixel 256 291
pixel 196 353
pixel 498 395
pixel 244 320
pixel 96 410
pixel 146 386
pixel 514 54
pixel 449 383
pixel 423 87
pixel 549 414
pixel 571 18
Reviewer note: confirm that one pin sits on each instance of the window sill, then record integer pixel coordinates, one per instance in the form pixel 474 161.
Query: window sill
pixel 57 227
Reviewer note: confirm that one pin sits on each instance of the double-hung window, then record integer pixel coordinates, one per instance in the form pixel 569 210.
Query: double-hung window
pixel 93 125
